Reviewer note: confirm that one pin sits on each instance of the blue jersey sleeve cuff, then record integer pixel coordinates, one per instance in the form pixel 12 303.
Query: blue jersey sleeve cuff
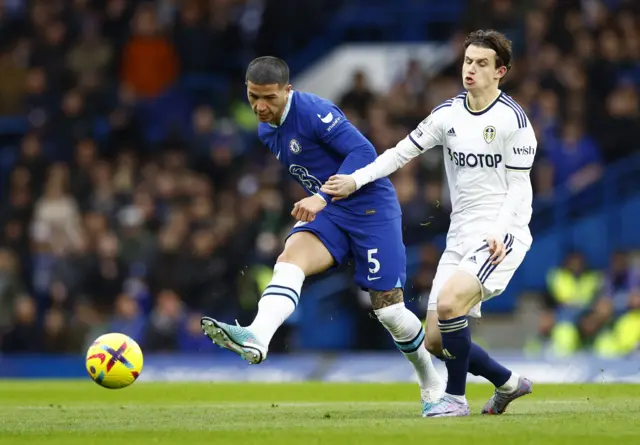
pixel 324 196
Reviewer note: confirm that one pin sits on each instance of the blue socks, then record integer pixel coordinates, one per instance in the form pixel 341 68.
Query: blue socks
pixel 456 348
pixel 462 356
pixel 482 365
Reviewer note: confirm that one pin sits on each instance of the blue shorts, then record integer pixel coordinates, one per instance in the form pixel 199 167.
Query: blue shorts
pixel 375 246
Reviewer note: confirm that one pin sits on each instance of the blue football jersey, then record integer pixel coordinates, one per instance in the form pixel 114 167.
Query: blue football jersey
pixel 315 141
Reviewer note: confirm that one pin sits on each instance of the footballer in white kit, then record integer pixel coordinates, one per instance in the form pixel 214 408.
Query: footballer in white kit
pixel 489 147
pixel 484 160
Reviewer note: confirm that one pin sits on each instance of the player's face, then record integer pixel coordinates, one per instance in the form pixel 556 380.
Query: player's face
pixel 268 101
pixel 479 69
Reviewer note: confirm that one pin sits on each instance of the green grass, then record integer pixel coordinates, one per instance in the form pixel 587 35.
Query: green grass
pixel 81 412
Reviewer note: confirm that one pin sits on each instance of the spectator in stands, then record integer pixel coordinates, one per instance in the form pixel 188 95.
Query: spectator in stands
pixel 13 83
pixel 424 217
pixel 14 238
pixel 56 335
pixel 11 288
pixel 128 317
pixel 32 158
pixel 106 273
pixel 575 158
pixel 574 313
pixel 123 123
pixel 24 336
pixel 622 123
pixel 137 244
pixel 359 97
pixel 622 292
pixel 56 213
pixel 194 39
pixel 422 279
pixel 621 282
pixel 50 49
pixel 92 53
pixel 86 157
pixel 70 124
pixel 40 98
pixel 150 63
pixel 190 338
pixel 165 322
pixel 85 324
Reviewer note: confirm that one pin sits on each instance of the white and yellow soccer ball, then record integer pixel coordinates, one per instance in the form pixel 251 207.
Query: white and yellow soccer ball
pixel 114 361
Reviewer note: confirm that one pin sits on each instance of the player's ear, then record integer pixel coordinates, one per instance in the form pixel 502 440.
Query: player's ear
pixel 501 72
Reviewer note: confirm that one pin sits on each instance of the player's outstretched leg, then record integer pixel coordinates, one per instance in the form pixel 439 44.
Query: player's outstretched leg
pixel 408 335
pixel 303 255
pixel 277 303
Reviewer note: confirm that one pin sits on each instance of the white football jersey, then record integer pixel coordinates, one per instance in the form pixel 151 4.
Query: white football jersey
pixel 480 147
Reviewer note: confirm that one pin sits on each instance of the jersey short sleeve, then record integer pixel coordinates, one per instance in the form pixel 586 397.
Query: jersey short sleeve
pixel 520 149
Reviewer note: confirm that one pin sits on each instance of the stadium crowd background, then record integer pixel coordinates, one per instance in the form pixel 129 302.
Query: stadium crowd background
pixel 132 204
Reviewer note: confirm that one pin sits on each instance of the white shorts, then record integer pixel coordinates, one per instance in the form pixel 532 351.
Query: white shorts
pixel 472 256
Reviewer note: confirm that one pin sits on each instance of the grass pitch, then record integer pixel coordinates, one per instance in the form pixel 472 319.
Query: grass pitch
pixel 81 412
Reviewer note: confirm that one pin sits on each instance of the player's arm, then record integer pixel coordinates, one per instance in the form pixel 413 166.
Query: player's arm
pixel 427 134
pixel 519 153
pixel 332 128
pixel 339 135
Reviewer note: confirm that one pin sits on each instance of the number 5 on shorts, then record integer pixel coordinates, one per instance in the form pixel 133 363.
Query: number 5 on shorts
pixel 373 261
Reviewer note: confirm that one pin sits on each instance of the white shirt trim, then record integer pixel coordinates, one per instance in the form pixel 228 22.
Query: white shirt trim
pixel 285 113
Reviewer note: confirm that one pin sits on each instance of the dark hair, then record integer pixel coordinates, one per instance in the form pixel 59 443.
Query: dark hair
pixel 268 70
pixel 494 40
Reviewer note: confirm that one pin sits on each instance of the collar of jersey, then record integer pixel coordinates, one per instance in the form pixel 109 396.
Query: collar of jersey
pixel 485 109
pixel 285 112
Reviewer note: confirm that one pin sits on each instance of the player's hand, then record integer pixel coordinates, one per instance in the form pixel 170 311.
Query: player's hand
pixel 339 186
pixel 496 248
pixel 306 209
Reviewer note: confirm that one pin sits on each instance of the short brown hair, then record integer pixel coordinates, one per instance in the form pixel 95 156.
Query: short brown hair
pixel 494 40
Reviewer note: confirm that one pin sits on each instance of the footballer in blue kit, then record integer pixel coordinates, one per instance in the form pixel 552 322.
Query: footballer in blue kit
pixel 314 140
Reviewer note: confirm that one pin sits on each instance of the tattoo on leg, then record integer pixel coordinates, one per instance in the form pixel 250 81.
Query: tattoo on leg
pixel 384 298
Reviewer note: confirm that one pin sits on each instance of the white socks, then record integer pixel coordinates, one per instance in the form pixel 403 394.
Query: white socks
pixel 408 334
pixel 511 385
pixel 278 301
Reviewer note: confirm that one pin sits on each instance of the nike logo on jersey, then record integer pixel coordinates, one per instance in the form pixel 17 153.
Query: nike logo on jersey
pixel 328 118
pixel 370 278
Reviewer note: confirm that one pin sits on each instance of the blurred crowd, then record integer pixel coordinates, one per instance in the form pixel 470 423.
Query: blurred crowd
pixel 589 309
pixel 134 203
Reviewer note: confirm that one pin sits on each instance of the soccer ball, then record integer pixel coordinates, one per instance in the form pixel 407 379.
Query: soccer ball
pixel 114 361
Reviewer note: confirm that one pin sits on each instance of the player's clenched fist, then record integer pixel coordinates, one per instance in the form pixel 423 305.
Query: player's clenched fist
pixel 306 209
pixel 339 186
